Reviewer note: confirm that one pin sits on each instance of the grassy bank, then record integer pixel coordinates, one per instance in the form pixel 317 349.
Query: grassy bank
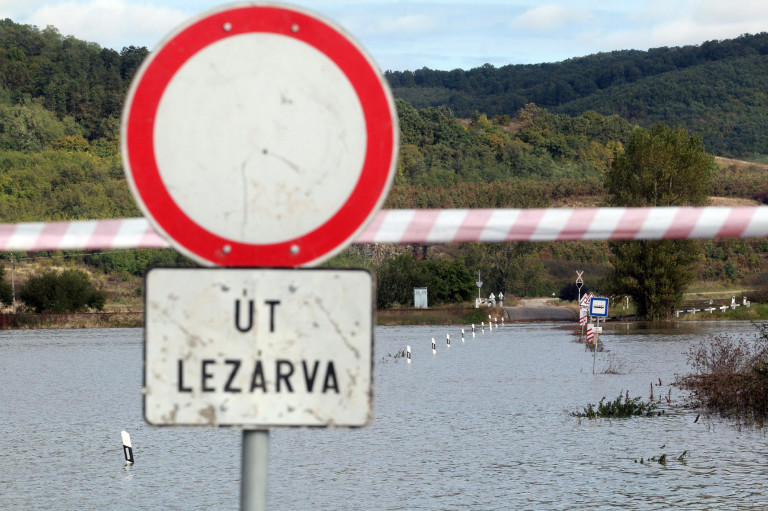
pixel 755 312
pixel 439 316
pixel 447 316
pixel 464 315
pixel 27 320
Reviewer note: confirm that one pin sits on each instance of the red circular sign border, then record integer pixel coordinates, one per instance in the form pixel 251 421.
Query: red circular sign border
pixel 169 218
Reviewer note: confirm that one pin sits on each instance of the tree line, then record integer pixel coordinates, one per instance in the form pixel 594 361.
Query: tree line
pixel 714 89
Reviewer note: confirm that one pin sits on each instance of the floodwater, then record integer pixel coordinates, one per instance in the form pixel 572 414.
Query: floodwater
pixel 484 425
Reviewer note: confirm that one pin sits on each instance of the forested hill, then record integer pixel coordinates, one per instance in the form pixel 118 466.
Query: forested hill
pixel 78 82
pixel 716 89
pixel 61 100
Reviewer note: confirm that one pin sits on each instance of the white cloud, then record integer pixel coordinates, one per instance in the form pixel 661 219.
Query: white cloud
pixel 441 34
pixel 549 17
pixel 691 22
pixel 717 12
pixel 409 24
pixel 110 23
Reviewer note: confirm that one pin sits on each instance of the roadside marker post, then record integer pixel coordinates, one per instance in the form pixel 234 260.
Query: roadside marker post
pixel 260 138
pixel 584 305
pixel 127 447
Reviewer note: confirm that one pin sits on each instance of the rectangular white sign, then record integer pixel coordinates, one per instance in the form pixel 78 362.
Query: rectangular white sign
pixel 598 307
pixel 258 347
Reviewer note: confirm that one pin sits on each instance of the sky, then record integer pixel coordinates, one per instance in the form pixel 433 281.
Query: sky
pixel 438 34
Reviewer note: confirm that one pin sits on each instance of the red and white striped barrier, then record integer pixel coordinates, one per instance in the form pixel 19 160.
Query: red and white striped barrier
pixel 85 235
pixel 448 225
pixel 438 226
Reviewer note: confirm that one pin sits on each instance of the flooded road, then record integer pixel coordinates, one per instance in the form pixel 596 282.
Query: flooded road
pixel 484 425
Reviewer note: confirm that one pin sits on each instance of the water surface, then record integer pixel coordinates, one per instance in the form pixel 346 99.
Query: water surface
pixel 482 425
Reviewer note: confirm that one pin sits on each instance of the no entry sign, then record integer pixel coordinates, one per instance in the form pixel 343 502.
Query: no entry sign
pixel 259 135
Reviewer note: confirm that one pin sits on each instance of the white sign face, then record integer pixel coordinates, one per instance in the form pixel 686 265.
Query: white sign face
pixel 282 191
pixel 598 307
pixel 258 347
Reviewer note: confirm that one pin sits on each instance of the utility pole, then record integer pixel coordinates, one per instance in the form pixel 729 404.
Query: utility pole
pixel 13 287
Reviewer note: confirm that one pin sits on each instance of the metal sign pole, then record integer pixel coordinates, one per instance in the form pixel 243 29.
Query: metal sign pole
pixel 579 283
pixel 13 287
pixel 253 480
pixel 594 353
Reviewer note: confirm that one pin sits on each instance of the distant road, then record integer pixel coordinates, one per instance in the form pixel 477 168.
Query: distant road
pixel 532 309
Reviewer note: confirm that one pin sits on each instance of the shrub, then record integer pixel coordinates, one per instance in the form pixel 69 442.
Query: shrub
pixel 447 280
pixel 138 262
pixel 68 291
pixel 730 376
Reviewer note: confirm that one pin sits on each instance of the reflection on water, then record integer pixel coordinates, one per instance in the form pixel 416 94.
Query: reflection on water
pixel 482 425
pixel 671 327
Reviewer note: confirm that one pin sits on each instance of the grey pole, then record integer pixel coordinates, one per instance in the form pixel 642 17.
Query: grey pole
pixel 13 287
pixel 594 353
pixel 253 481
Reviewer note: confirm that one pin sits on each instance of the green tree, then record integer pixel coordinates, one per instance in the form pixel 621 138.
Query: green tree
pixel 661 166
pixel 448 280
pixel 510 267
pixel 68 291
pixel 395 279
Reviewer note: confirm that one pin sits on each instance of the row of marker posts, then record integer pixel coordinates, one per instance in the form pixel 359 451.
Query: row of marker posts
pixel 448 337
pixel 126 437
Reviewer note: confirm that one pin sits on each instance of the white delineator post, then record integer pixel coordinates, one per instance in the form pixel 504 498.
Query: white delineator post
pixel 434 348
pixel 462 335
pixel 408 353
pixel 448 340
pixel 127 448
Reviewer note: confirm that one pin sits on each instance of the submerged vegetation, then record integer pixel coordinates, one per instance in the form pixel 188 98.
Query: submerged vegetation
pixel 662 459
pixel 620 408
pixel 730 376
